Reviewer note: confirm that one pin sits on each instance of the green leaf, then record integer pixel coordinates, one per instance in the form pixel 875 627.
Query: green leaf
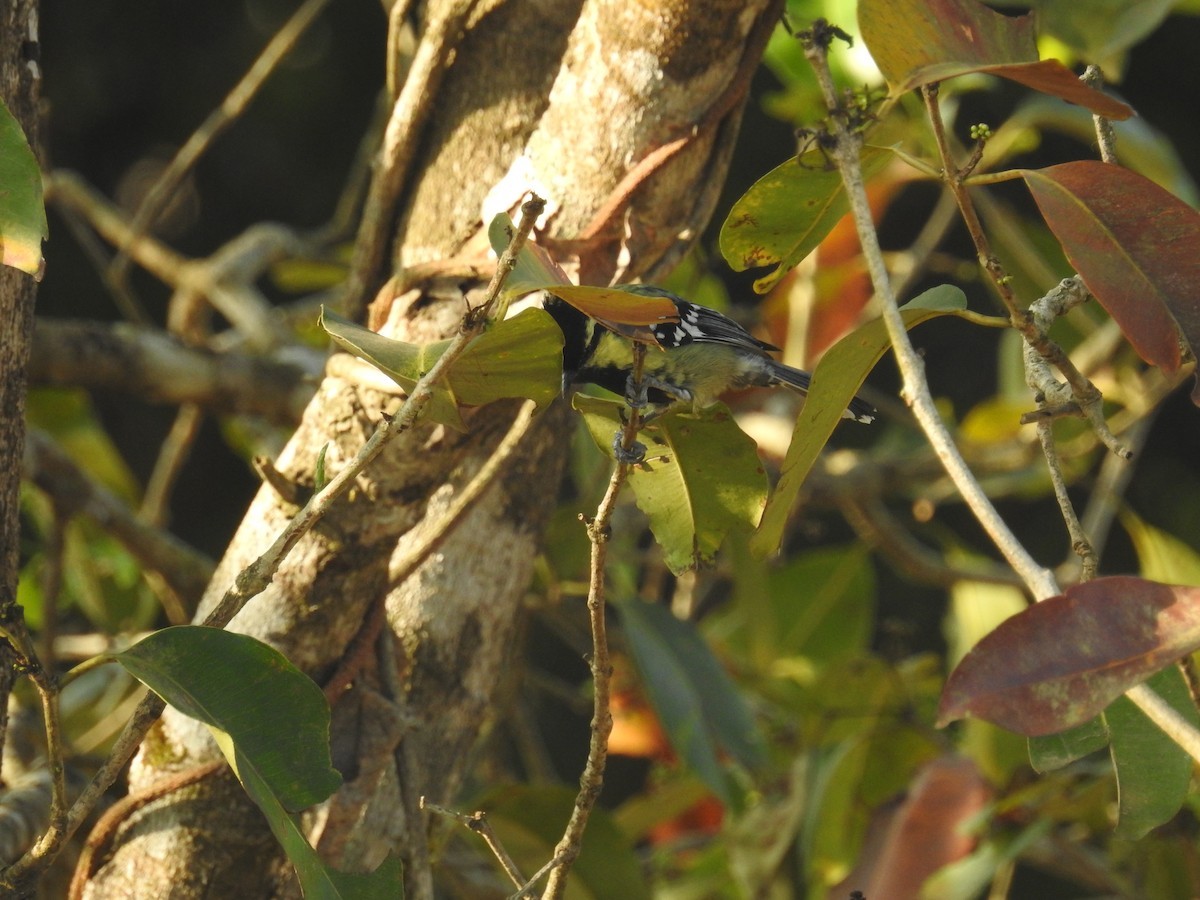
pixel 1161 556
pixel 788 212
pixel 519 357
pixel 1153 772
pixel 272 724
pixel 701 480
pixel 654 633
pixel 317 880
pixel 22 210
pixel 528 820
pixel 675 686
pixel 273 712
pixel 819 606
pixel 836 380
pixel 1048 752
pixel 919 42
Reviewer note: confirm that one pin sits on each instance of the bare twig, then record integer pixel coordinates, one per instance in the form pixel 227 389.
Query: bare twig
pixel 400 137
pixel 1081 544
pixel 1083 391
pixel 592 779
pixel 916 388
pixel 158 368
pixel 1106 138
pixel 478 822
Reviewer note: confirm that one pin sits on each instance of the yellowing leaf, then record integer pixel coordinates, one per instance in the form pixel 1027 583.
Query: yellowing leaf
pixel 22 211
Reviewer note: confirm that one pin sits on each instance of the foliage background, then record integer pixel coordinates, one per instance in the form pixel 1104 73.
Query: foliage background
pixel 125 84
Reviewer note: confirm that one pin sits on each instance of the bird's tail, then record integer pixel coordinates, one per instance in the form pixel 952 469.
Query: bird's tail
pixel 859 409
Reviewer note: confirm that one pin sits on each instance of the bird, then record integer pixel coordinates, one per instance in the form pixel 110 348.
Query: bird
pixel 703 354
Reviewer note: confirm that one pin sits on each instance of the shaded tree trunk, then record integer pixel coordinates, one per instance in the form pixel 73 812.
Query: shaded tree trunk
pixel 20 82
pixel 621 115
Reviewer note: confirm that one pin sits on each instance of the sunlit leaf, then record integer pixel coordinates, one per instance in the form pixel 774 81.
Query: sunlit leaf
pixel 1136 247
pixel 787 212
pixel 836 380
pixel 1025 677
pixel 1161 556
pixel 519 357
pixel 22 210
pixel 701 480
pixel 919 42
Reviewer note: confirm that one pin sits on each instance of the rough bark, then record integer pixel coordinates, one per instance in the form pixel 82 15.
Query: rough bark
pixel 622 115
pixel 20 82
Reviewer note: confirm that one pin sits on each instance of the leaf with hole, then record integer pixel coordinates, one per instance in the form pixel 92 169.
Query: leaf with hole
pixel 785 214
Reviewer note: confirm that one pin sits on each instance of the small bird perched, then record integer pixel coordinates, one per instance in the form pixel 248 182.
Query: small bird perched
pixel 704 354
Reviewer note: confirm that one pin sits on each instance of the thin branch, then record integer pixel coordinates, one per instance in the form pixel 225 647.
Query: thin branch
pixel 1106 138
pixel 255 577
pixel 912 368
pixel 592 779
pixel 478 823
pixel 1035 334
pixel 400 137
pixel 158 368
pixel 1081 544
pixel 1039 580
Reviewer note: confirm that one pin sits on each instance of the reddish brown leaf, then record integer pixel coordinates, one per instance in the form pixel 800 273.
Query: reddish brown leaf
pixel 906 845
pixel 1137 248
pixel 917 42
pixel 1062 661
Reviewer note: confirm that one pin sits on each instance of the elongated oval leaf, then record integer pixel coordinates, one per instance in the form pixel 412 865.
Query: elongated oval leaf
pixel 702 478
pixel 654 629
pixel 519 357
pixel 275 715
pixel 22 210
pixel 1063 660
pixel 918 42
pixel 1137 248
pixel 787 213
pixel 1153 772
pixel 836 380
pixel 317 880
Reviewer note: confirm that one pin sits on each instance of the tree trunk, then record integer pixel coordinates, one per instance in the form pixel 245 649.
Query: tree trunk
pixel 20 82
pixel 622 116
